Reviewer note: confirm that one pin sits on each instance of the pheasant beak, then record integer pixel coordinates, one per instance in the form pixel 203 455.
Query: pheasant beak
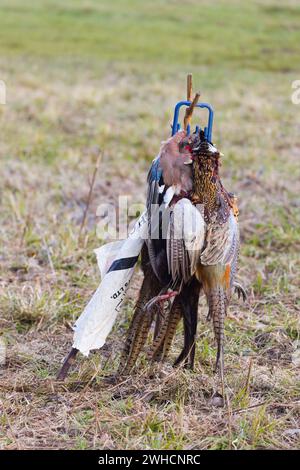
pixel 188 162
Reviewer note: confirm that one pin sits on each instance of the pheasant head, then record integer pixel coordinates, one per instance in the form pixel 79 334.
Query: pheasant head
pixel 207 186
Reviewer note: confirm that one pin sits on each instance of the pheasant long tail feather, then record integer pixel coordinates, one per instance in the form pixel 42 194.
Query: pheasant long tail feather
pixel 159 337
pixel 162 344
pixel 159 321
pixel 174 319
pixel 129 338
pixel 133 344
pixel 138 342
pixel 140 323
pixel 217 311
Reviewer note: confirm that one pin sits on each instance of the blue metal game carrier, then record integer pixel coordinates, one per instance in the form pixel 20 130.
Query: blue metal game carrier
pixel 207 129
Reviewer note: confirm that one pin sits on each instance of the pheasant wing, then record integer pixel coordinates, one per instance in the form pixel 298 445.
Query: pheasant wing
pixel 185 239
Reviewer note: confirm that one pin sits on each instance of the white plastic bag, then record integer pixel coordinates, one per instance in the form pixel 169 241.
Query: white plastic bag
pixel 116 262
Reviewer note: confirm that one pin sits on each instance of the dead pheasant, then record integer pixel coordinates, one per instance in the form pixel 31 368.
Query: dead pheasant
pixel 189 165
pixel 178 260
pixel 217 265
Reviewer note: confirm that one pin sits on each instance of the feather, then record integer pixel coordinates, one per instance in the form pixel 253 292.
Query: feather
pixel 185 240
pixel 173 158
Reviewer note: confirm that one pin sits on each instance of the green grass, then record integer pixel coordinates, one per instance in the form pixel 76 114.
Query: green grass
pixel 82 74
pixel 258 35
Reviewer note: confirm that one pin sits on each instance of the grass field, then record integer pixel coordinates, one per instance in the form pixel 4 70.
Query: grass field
pixel 84 75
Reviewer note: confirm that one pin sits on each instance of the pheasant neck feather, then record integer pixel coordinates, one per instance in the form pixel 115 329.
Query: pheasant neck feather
pixel 209 191
pixel 205 189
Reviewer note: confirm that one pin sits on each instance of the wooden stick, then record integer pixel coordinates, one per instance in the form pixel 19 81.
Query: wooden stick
pixel 189 111
pixel 69 360
pixel 189 87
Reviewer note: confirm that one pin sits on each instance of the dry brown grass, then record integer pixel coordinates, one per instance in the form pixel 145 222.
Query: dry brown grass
pixel 55 117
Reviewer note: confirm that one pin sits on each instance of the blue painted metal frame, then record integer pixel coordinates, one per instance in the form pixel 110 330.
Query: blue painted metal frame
pixel 207 130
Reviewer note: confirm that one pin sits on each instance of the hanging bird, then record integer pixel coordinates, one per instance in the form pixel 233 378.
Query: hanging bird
pixel 192 246
pixel 168 166
pixel 169 179
pixel 217 264
pixel 183 265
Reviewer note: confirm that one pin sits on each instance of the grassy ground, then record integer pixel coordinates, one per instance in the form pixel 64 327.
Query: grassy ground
pixel 86 74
